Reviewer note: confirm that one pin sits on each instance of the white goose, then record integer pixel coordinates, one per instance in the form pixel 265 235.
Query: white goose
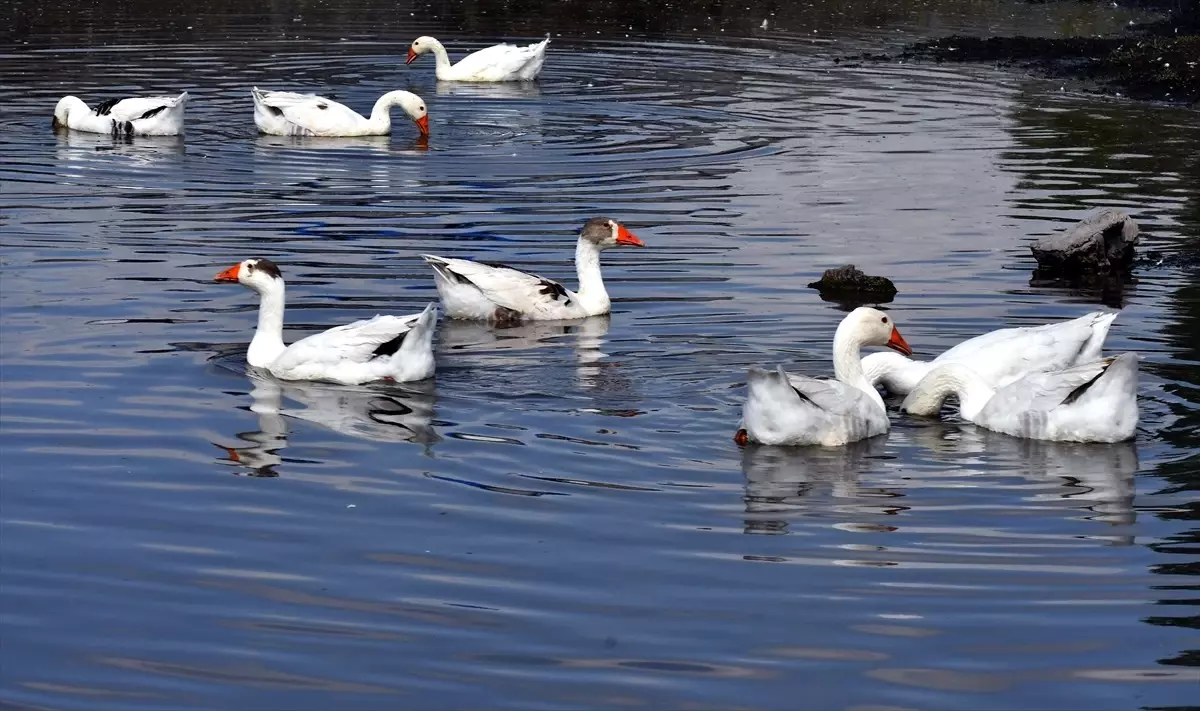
pixel 399 348
pixel 501 62
pixel 141 116
pixel 286 113
pixel 1003 356
pixel 1093 402
pixel 472 290
pixel 789 409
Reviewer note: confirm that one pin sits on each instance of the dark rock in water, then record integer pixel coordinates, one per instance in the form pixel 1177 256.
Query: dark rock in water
pixel 848 284
pixel 1097 249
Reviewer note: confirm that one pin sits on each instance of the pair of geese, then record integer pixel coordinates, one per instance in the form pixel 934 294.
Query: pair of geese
pixel 286 113
pixel 400 348
pixel 1044 382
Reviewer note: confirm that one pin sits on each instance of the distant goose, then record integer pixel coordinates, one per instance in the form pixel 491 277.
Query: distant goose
pixel 141 116
pixel 501 62
pixel 286 113
pixel 494 292
pixel 399 348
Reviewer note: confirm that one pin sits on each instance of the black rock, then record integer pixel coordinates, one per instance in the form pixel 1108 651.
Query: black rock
pixel 846 283
pixel 1097 249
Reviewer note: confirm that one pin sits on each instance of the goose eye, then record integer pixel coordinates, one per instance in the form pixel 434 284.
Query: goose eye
pixel 884 319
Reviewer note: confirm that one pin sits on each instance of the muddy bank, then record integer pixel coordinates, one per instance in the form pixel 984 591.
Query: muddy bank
pixel 1157 61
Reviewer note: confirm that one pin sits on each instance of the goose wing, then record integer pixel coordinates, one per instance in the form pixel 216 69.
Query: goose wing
pixel 135 108
pixel 308 113
pixel 502 285
pixel 500 60
pixel 356 342
pixel 1046 391
pixel 1002 356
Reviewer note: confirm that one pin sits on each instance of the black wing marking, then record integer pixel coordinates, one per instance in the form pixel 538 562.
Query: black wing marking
pixel 458 278
pixel 322 106
pixel 153 112
pixel 388 348
pixel 806 398
pixel 1079 391
pixel 104 108
pixel 274 109
pixel 553 289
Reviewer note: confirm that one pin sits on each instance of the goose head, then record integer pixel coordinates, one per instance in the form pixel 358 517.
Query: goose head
pixel 604 233
pixel 63 109
pixel 872 327
pixel 259 274
pixel 420 46
pixel 414 107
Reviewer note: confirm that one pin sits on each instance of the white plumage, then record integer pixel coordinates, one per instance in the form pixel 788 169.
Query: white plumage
pixel 501 62
pixel 136 116
pixel 1093 402
pixel 1002 356
pixel 788 409
pixel 399 348
pixel 473 290
pixel 287 113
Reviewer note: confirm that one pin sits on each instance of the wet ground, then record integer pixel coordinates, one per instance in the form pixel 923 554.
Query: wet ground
pixel 560 519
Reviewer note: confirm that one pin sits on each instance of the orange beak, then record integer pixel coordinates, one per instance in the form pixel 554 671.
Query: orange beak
pixel 230 274
pixel 423 124
pixel 741 438
pixel 411 56
pixel 627 238
pixel 897 343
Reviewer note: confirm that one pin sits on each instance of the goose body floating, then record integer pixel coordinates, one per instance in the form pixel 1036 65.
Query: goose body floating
pixel 1093 402
pixel 139 116
pixel 787 409
pixel 287 113
pixel 399 348
pixel 501 62
pixel 1003 356
pixel 473 290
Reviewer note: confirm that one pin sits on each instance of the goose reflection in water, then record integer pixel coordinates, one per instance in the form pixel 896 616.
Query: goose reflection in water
pixel 783 483
pixel 1099 476
pixel 500 90
pixel 502 346
pixel 378 144
pixel 80 146
pixel 395 413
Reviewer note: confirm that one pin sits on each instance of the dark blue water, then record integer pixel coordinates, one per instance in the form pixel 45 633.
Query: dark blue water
pixel 561 519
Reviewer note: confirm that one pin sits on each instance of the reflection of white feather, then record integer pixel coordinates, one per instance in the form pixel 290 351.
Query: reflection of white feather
pixel 778 477
pixel 391 414
pixel 1101 475
pixel 399 413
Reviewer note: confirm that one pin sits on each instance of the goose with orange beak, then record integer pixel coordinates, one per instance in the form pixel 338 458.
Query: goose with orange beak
pixel 501 62
pixel 471 290
pixel 396 348
pixel 787 409
pixel 286 113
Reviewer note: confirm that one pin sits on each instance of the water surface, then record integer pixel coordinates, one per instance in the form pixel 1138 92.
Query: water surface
pixel 560 519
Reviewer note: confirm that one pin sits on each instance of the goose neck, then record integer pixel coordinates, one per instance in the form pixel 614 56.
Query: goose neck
pixel 268 336
pixel 847 361
pixel 942 382
pixel 592 294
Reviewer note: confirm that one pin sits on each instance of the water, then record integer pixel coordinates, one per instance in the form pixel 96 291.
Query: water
pixel 561 519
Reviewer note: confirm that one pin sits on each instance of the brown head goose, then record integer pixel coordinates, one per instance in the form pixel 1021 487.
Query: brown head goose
pixel 473 290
